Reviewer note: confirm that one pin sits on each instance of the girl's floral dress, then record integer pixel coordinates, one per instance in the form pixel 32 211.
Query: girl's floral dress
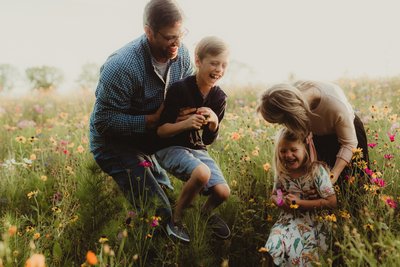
pixel 297 237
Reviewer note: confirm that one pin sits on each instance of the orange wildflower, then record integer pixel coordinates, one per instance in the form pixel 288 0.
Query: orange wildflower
pixel 91 258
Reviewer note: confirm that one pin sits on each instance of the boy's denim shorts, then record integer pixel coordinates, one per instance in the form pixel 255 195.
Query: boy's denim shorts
pixel 181 161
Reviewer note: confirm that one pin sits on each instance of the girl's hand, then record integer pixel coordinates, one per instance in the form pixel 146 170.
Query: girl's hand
pixel 311 193
pixel 291 199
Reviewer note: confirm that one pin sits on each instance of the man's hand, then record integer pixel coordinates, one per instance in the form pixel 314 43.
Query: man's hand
pixel 152 119
pixel 185 113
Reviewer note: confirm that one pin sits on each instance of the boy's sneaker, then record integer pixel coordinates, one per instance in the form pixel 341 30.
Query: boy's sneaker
pixel 178 231
pixel 219 226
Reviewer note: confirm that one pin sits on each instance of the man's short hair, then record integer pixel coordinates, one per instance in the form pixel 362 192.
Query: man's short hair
pixel 161 13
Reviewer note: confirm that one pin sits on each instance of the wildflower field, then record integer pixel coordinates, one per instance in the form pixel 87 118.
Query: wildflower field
pixel 57 208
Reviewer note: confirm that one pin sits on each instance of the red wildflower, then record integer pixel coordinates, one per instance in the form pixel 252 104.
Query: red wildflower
pixel 372 145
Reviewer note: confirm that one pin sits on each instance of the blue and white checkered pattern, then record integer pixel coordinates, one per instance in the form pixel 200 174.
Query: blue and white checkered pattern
pixel 129 88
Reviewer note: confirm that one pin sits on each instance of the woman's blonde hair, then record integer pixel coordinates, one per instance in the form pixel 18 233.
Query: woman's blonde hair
pixel 281 171
pixel 210 45
pixel 285 104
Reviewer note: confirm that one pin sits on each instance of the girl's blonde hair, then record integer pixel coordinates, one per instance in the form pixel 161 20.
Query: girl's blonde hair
pixel 285 104
pixel 210 45
pixel 311 167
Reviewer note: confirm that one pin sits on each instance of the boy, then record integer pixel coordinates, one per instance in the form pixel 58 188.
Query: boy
pixel 185 154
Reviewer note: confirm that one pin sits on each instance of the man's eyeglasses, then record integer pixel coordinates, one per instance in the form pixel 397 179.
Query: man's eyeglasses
pixel 173 38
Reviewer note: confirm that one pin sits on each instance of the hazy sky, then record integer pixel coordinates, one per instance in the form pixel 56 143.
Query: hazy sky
pixel 316 39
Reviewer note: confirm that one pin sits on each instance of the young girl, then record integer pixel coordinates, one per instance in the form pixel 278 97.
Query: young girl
pixel 323 109
pixel 297 236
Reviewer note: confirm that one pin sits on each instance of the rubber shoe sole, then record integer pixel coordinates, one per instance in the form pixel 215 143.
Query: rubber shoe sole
pixel 219 227
pixel 178 233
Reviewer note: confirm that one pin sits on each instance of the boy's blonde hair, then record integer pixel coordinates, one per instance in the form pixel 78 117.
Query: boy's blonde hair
pixel 311 167
pixel 210 45
pixel 285 104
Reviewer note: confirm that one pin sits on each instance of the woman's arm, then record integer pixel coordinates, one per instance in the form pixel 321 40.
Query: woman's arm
pixel 340 164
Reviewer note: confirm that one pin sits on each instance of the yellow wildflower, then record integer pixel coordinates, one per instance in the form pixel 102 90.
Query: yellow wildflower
pixel 20 139
pixel 267 167
pixel 368 226
pixel 32 194
pixel 373 109
pixel 103 239
pixel 344 214
pixel 330 218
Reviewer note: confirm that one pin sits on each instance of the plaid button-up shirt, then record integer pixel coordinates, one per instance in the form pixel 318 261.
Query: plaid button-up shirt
pixel 128 89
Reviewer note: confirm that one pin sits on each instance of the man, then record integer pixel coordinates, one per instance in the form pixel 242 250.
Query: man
pixel 128 105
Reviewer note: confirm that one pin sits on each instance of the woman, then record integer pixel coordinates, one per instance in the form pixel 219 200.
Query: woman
pixel 322 109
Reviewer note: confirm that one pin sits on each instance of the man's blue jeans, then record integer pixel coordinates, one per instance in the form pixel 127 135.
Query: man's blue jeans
pixel 140 177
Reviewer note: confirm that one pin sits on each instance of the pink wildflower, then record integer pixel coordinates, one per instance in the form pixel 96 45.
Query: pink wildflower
pixel 38 109
pixel 391 137
pixel 368 171
pixel 388 156
pixel 372 145
pixel 154 223
pixel 391 203
pixel 279 199
pixel 145 164
pixel 378 181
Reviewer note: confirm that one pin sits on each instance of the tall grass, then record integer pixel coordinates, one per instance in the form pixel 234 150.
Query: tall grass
pixel 55 201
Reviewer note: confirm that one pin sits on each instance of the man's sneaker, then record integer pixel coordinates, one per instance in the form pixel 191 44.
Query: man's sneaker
pixel 219 226
pixel 178 231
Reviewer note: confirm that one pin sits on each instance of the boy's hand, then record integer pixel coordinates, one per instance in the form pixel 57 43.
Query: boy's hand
pixel 210 117
pixel 195 121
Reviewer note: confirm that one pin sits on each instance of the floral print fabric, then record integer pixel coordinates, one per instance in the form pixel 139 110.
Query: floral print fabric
pixel 297 236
